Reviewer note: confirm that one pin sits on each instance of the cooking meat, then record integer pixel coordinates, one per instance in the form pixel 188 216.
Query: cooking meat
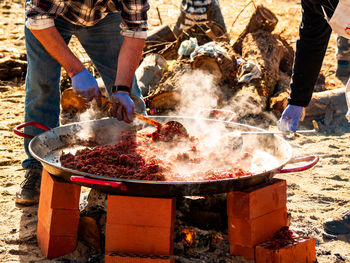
pixel 150 154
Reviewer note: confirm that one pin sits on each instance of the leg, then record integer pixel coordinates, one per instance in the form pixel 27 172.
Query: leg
pixel 42 99
pixel 102 43
pixel 42 104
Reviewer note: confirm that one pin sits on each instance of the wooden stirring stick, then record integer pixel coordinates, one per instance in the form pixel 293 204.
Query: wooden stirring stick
pixel 148 120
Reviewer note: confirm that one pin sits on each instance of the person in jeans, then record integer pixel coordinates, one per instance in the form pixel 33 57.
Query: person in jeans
pixel 319 18
pixel 112 32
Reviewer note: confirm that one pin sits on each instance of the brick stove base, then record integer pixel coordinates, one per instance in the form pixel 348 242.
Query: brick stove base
pixel 140 225
pixel 141 229
pixel 58 216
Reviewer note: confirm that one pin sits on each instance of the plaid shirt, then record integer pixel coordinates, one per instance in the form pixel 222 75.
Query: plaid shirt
pixel 40 14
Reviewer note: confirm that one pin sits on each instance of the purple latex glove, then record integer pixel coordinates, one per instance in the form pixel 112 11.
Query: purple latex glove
pixel 123 106
pixel 289 120
pixel 84 84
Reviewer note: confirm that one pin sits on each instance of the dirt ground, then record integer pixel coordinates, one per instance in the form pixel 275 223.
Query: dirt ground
pixel 313 195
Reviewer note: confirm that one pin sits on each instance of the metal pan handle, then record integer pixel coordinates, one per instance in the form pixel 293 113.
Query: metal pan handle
pixel 81 179
pixel 27 124
pixel 219 114
pixel 313 160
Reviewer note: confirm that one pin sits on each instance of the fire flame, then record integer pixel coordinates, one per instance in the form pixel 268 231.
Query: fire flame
pixel 187 238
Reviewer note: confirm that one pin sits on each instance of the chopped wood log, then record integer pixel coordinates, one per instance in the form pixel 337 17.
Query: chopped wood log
pixel 247 102
pixel 286 63
pixel 222 65
pixel 167 100
pixel 11 68
pixel 71 101
pixel 264 49
pixel 279 100
pixel 262 19
pixel 89 232
pixel 161 40
pixel 207 63
pixel 167 94
pixel 326 105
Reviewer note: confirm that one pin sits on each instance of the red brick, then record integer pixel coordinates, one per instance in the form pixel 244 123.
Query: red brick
pixel 257 201
pixel 58 194
pixel 304 251
pixel 252 232
pixel 247 252
pixel 143 211
pixel 53 246
pixel 59 221
pixel 139 239
pixel 125 259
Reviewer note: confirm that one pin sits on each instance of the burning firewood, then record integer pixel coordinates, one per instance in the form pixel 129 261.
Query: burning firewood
pixel 187 237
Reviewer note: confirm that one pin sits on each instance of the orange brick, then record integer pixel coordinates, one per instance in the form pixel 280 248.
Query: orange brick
pixel 54 246
pixel 139 239
pixel 64 222
pixel 58 194
pixel 247 252
pixel 112 258
pixel 252 232
pixel 144 211
pixel 257 201
pixel 304 251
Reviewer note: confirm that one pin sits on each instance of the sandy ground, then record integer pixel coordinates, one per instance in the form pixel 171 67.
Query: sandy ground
pixel 313 195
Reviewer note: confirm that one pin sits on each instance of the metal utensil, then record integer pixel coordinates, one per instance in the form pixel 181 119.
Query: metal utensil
pixel 234 139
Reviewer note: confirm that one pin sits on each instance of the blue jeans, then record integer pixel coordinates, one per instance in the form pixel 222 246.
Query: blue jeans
pixel 101 42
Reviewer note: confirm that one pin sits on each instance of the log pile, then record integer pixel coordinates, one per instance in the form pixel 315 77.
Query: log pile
pixel 256 45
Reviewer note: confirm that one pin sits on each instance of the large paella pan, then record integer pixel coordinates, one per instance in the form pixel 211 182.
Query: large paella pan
pixel 48 146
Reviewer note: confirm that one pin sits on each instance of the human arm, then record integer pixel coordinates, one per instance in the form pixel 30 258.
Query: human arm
pixel 314 34
pixel 134 26
pixel 82 81
pixel 128 61
pixel 54 44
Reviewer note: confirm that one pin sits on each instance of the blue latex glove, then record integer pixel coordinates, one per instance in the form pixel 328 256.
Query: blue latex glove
pixel 84 84
pixel 289 120
pixel 123 106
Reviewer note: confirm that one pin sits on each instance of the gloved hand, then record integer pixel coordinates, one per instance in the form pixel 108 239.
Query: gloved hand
pixel 123 107
pixel 84 84
pixel 289 120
